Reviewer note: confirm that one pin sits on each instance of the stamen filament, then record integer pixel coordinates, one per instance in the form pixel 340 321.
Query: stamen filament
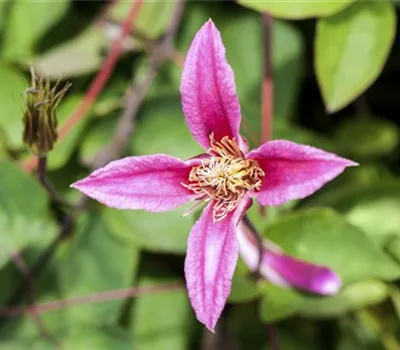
pixel 225 177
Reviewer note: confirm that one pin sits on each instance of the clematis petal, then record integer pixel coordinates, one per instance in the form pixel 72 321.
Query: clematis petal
pixel 210 262
pixel 294 171
pixel 147 182
pixel 301 274
pixel 208 91
pixel 283 270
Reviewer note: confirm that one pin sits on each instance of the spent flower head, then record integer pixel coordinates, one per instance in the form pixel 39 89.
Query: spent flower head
pixel 40 120
pixel 227 177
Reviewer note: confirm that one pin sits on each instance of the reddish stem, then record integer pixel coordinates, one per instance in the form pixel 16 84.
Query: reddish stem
pixel 267 94
pixel 97 84
pixel 92 298
pixel 267 104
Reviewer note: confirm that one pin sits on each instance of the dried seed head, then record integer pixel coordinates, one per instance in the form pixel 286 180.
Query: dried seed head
pixel 225 177
pixel 40 121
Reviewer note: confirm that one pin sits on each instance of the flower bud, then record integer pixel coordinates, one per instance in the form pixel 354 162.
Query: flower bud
pixel 40 121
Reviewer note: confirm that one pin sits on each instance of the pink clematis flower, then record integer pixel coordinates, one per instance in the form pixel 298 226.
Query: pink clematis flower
pixel 227 177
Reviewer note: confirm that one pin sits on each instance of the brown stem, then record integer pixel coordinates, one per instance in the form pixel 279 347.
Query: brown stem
pixel 267 99
pixel 42 177
pixel 89 299
pixel 267 94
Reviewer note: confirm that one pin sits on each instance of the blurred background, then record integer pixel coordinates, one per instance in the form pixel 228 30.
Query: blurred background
pixel 335 71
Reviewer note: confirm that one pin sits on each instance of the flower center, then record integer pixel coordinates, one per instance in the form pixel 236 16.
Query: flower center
pixel 224 177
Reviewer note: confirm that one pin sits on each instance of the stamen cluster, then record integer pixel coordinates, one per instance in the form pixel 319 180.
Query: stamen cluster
pixel 224 177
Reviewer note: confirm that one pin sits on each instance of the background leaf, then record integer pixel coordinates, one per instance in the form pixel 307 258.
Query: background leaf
pixel 367 137
pixel 78 56
pixel 23 222
pixel 153 17
pixel 351 48
pixel 12 86
pixel 95 261
pixel 167 233
pixel 298 9
pixel 26 23
pixel 64 148
pixel 153 325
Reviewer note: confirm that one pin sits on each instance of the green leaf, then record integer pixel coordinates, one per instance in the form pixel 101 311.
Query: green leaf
pixel 23 223
pixel 244 287
pixel 161 320
pixel 296 9
pixel 353 297
pixel 96 138
pixel 367 137
pixel 78 56
pixel 3 6
pixel 162 129
pixel 83 337
pixel 279 303
pixel 95 261
pixel 393 248
pixel 158 232
pixel 373 208
pixel 12 85
pixel 395 295
pixel 153 17
pixel 351 49
pixel 101 338
pixel 64 148
pixel 26 23
pixel 378 218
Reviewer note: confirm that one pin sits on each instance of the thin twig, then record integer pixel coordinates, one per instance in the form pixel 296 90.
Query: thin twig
pixel 19 262
pixel 89 299
pixel 97 84
pixel 42 177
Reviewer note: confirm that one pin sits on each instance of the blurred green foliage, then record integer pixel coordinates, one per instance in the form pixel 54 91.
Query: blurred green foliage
pixel 339 51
